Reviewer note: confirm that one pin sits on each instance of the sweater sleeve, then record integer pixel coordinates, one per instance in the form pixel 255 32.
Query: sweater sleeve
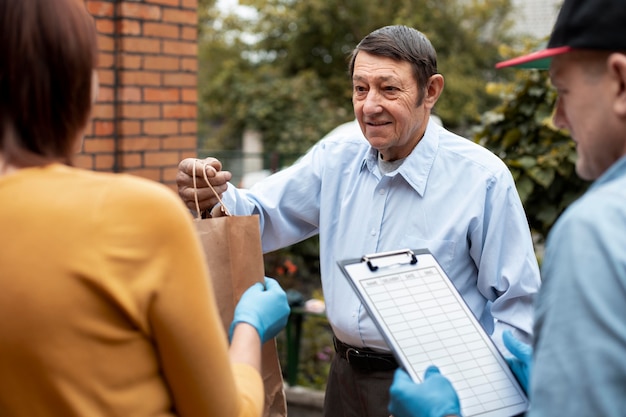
pixel 176 299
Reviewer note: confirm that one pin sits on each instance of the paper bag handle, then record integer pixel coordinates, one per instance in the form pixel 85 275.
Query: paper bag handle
pixel 195 189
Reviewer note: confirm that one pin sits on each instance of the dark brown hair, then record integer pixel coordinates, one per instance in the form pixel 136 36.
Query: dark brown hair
pixel 401 43
pixel 48 51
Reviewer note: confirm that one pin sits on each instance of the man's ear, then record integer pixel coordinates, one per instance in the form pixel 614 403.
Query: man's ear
pixel 616 64
pixel 433 90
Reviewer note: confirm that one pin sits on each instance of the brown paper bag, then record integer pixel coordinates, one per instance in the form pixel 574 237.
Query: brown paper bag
pixel 232 245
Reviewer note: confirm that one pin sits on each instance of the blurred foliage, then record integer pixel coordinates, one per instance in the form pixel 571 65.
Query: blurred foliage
pixel 541 157
pixel 316 349
pixel 283 70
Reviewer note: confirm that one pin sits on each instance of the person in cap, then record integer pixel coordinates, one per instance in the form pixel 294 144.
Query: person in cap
pixel 579 353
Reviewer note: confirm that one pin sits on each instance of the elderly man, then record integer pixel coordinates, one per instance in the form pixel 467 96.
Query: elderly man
pixel 402 181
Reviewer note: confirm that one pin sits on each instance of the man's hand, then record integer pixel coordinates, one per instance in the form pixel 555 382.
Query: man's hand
pixel 184 179
pixel 435 397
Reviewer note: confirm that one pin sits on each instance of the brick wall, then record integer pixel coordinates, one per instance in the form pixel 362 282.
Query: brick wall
pixel 144 121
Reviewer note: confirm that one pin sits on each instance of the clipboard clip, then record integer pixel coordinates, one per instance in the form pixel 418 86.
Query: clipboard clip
pixel 378 257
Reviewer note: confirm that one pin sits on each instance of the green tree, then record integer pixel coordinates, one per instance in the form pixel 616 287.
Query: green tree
pixel 290 81
pixel 541 157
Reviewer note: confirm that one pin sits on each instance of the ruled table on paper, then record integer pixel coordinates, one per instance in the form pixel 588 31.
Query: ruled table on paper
pixel 426 322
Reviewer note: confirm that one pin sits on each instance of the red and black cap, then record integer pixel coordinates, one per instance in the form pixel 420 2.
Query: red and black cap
pixel 581 24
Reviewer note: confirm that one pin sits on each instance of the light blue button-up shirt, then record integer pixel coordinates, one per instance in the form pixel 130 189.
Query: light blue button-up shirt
pixel 580 352
pixel 450 195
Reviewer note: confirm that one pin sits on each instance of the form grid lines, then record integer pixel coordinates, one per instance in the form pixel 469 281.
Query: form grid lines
pixel 432 328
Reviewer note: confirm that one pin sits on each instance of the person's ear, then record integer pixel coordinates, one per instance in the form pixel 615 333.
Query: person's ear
pixel 433 90
pixel 616 64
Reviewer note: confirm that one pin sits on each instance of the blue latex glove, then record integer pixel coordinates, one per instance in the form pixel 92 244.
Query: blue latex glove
pixel 435 397
pixel 265 308
pixel 521 363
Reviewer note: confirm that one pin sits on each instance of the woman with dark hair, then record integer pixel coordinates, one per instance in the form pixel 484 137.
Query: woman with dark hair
pixel 106 303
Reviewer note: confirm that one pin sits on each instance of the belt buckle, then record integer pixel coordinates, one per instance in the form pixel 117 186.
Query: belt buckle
pixel 356 352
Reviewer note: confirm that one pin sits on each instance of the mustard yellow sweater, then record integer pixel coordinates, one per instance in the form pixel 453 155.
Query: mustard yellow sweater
pixel 106 308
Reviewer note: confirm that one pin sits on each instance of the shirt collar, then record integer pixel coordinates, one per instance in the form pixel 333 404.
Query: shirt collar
pixel 618 169
pixel 416 167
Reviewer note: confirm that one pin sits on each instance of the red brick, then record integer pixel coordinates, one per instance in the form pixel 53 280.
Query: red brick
pixel 140 78
pixel 189 127
pixel 130 127
pixel 179 142
pixel 103 128
pixel 180 48
pixel 98 145
pixel 180 80
pixel 100 8
pixel 161 30
pixel 189 64
pixel 158 159
pixel 105 94
pixel 162 95
pixel 89 129
pixel 103 111
pixel 84 161
pixel 190 95
pixel 168 177
pixel 160 127
pixel 163 63
pixel 156 84
pixel 130 61
pixel 104 162
pixel 105 76
pixel 165 2
pixel 140 11
pixel 106 43
pixel 132 160
pixel 130 94
pixel 105 26
pixel 179 111
pixel 140 143
pixel 129 27
pixel 190 4
pixel 189 17
pixel 141 45
pixel 141 111
pixel 106 60
pixel 151 174
pixel 189 33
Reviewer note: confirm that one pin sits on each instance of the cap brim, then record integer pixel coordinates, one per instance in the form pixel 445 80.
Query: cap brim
pixel 535 60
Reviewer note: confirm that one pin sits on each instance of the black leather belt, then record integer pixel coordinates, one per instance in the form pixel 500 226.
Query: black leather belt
pixel 365 359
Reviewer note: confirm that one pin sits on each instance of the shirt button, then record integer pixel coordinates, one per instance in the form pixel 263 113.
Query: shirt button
pixel 373 232
pixel 381 191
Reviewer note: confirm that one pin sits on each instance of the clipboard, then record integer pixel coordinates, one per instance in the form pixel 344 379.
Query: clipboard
pixel 425 321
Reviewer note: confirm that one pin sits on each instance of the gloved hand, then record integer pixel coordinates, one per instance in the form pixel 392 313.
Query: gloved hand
pixel 521 363
pixel 265 308
pixel 435 397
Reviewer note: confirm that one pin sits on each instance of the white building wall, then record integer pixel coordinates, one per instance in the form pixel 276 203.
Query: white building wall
pixel 536 17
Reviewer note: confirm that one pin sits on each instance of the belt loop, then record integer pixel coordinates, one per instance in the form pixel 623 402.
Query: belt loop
pixel 351 349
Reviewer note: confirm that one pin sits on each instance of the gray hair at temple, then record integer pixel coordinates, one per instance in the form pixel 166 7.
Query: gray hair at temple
pixel 401 43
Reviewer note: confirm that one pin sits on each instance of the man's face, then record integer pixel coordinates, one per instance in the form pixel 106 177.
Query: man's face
pixel 385 99
pixel 584 108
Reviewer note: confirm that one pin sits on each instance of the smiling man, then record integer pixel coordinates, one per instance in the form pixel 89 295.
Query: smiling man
pixel 400 181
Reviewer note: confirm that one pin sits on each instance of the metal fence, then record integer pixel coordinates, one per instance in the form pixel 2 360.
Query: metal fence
pixel 249 164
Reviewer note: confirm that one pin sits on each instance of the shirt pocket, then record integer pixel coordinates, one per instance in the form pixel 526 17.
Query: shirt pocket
pixel 442 250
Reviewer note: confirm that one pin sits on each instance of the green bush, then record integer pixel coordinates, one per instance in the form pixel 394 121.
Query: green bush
pixel 541 157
